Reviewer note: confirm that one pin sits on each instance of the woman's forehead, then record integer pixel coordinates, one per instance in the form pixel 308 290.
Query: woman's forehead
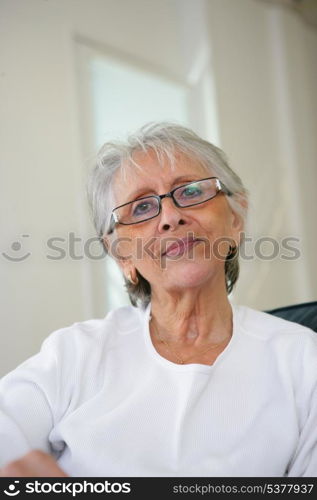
pixel 150 173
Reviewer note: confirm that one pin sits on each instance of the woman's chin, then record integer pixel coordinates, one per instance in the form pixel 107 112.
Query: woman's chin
pixel 188 274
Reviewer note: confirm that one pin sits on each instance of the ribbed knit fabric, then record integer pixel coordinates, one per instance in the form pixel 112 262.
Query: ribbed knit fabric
pixel 103 402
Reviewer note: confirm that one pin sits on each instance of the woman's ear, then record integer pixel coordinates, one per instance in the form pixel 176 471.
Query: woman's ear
pixel 114 251
pixel 105 243
pixel 238 221
pixel 129 271
pixel 120 250
pixel 125 266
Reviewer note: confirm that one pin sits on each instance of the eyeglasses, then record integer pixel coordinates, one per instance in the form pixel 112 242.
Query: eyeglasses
pixel 148 207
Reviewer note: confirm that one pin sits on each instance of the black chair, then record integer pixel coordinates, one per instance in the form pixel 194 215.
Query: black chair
pixel 304 314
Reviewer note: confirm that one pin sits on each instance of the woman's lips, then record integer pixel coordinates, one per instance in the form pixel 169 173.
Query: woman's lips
pixel 179 247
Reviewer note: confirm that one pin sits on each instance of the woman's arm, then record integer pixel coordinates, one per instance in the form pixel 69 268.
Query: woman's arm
pixel 32 399
pixel 304 463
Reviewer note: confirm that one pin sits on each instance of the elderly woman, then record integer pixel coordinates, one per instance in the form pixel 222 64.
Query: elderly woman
pixel 180 383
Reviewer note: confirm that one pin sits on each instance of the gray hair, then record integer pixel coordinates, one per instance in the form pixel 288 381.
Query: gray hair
pixel 166 140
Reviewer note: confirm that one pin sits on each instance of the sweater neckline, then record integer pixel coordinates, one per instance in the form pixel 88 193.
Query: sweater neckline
pixel 191 366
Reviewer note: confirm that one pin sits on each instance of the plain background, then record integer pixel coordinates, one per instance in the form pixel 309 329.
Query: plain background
pixel 250 70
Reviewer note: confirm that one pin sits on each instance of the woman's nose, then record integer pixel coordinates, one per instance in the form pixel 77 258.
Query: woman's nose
pixel 170 216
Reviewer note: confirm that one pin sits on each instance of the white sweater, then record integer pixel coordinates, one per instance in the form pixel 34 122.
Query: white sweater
pixel 103 402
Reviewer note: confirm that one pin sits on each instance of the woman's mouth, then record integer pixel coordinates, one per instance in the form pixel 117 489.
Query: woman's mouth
pixel 180 246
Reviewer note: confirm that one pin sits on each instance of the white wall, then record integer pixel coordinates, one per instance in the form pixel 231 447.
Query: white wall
pixel 267 120
pixel 264 61
pixel 39 155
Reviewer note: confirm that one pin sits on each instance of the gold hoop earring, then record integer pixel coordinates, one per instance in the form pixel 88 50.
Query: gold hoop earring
pixel 134 282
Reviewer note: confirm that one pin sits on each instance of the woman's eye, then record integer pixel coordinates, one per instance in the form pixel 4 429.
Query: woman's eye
pixel 142 208
pixel 191 191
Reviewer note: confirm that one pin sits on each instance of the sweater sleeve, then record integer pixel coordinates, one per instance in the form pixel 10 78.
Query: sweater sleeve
pixel 30 402
pixel 304 461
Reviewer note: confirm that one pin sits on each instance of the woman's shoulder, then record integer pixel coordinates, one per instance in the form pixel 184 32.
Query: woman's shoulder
pixel 266 326
pixel 122 320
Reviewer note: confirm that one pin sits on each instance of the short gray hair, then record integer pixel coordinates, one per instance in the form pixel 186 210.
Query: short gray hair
pixel 166 140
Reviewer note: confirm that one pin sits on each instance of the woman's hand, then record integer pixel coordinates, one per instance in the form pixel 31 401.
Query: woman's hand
pixel 36 463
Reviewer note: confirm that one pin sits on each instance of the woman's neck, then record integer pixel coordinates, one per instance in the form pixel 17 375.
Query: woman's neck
pixel 192 317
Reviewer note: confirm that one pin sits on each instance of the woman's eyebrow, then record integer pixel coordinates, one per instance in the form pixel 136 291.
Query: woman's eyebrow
pixel 144 190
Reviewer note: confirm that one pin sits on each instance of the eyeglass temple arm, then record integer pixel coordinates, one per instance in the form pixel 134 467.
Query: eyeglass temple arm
pixel 113 221
pixel 224 188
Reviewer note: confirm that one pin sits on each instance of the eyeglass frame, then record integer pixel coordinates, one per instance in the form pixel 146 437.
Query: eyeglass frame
pixel 114 219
